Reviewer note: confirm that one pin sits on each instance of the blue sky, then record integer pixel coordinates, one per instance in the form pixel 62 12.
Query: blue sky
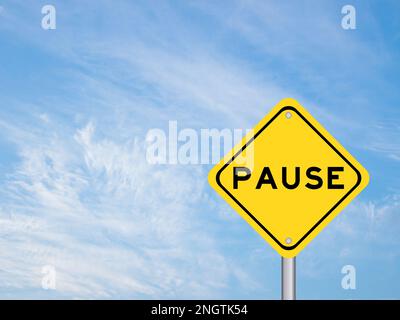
pixel 76 104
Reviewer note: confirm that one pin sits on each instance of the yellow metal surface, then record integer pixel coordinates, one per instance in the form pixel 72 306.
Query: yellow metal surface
pixel 288 178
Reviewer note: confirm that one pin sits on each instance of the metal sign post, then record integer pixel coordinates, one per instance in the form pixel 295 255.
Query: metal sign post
pixel 288 278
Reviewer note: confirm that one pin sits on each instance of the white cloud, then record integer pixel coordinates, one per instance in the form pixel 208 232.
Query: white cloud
pixel 363 230
pixel 83 199
pixel 111 224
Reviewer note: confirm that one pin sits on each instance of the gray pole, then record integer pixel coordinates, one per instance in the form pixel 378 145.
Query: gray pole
pixel 288 278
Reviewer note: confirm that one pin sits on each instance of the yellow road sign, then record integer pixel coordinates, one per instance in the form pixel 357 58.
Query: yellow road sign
pixel 288 178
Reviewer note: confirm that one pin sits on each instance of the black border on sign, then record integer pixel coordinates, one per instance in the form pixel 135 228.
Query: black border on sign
pixel 251 215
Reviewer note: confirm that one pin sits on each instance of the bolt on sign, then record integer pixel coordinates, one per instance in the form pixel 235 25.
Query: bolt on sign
pixel 288 178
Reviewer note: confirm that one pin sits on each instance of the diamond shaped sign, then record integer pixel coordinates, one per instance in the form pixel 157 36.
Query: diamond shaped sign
pixel 288 178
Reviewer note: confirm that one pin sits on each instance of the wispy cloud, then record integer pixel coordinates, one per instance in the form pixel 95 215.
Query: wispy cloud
pixel 81 196
pixel 110 223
